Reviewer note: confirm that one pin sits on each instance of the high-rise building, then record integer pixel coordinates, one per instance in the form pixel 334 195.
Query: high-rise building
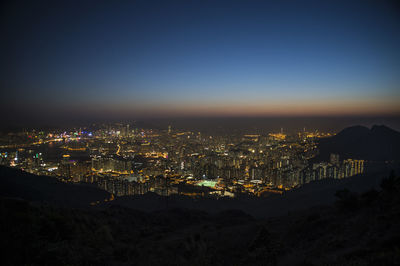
pixel 334 159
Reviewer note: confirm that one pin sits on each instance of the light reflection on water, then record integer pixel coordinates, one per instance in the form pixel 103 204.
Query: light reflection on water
pixel 51 152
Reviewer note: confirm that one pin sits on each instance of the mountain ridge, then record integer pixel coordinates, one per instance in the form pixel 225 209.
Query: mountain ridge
pixel 380 143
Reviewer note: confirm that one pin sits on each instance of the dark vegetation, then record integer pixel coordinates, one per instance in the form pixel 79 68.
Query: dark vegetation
pixel 359 229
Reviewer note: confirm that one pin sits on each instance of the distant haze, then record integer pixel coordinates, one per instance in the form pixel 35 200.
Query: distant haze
pixel 217 125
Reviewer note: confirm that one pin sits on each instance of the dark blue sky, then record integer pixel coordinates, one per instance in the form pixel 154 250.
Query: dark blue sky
pixel 161 58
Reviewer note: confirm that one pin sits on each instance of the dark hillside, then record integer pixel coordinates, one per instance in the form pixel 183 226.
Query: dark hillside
pixel 379 143
pixel 19 184
pixel 359 229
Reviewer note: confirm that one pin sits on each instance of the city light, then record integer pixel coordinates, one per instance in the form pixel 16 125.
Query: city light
pixel 126 160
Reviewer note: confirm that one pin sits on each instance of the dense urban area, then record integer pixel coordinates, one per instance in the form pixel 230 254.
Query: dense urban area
pixel 125 160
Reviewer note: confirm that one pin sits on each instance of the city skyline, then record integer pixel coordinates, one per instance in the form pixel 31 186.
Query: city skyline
pixel 200 132
pixel 224 58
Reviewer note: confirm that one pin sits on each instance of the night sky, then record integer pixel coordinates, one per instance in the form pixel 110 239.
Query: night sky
pixel 200 58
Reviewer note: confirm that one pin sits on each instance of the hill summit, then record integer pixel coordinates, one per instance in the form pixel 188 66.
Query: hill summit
pixel 380 143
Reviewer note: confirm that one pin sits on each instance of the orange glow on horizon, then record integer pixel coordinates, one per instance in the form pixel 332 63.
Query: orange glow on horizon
pixel 270 108
pixel 304 107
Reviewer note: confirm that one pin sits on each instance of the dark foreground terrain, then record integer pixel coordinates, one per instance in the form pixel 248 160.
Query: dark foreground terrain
pixel 358 229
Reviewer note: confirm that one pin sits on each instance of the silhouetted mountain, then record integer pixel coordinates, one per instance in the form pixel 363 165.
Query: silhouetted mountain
pixel 379 143
pixel 359 229
pixel 19 184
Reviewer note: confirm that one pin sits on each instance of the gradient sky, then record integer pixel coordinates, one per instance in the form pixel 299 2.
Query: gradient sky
pixel 161 58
